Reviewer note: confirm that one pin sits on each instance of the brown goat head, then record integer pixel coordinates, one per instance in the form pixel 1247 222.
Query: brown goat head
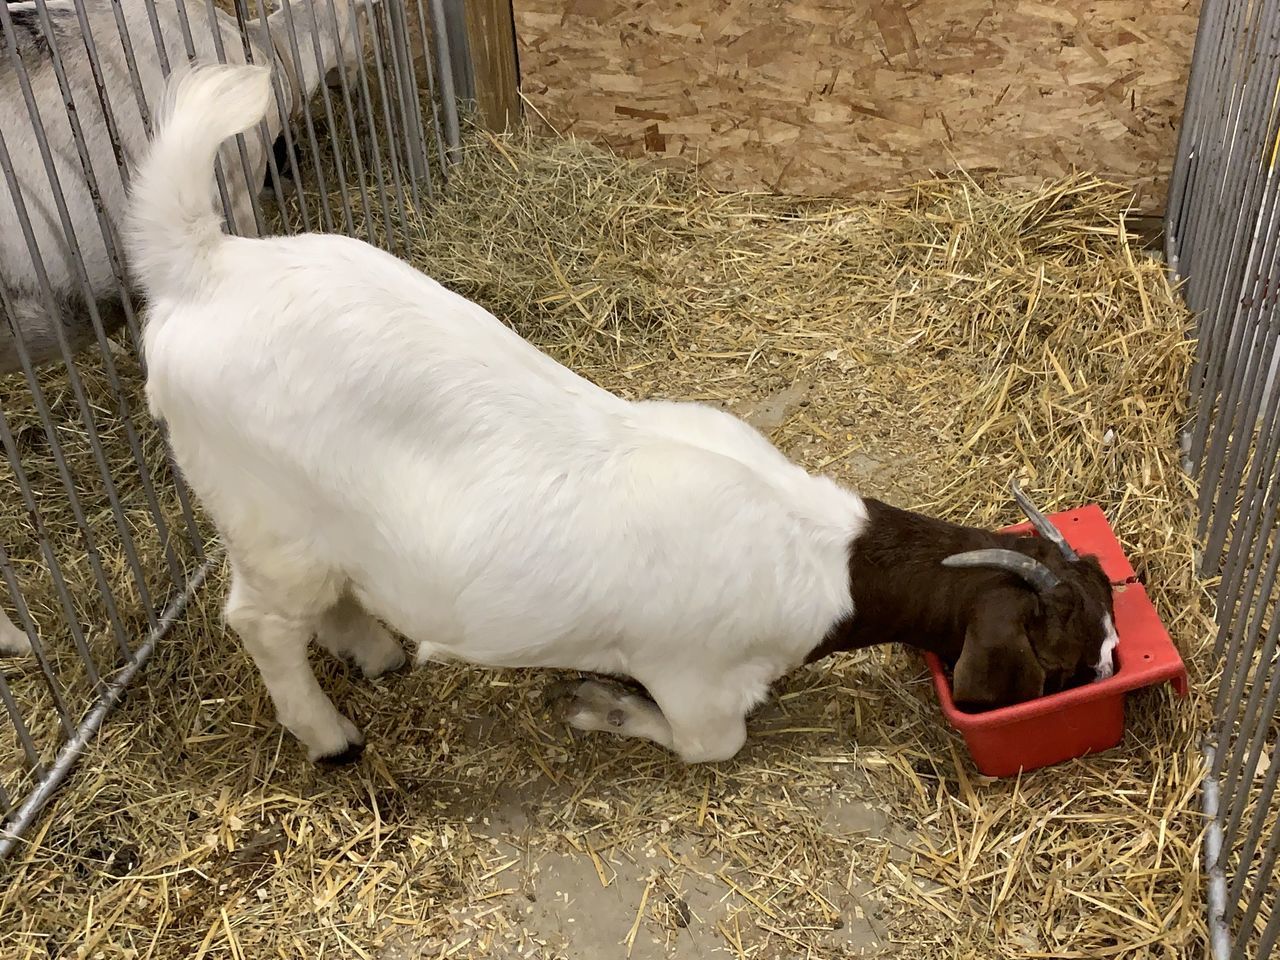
pixel 1016 616
pixel 1058 634
pixel 1022 643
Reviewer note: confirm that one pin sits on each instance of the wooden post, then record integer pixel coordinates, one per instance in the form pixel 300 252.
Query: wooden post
pixel 491 36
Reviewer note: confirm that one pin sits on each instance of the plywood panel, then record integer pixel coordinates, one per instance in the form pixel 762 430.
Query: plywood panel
pixel 837 98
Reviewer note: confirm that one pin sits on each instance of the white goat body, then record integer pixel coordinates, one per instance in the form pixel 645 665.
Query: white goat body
pixel 370 443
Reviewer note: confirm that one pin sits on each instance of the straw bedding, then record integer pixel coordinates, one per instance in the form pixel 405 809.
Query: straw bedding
pixel 924 348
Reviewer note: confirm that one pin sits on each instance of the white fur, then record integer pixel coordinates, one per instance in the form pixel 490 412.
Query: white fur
pixel 12 639
pixel 1106 665
pixel 364 437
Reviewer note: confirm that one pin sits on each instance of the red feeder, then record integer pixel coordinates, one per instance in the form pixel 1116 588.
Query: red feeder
pixel 1085 719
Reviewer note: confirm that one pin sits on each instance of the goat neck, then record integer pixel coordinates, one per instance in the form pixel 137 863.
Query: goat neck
pixel 901 591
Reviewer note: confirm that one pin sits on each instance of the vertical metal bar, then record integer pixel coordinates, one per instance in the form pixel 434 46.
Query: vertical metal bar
pixel 1249 847
pixel 1219 935
pixel 1248 850
pixel 117 268
pixel 448 99
pixel 1253 719
pixel 410 105
pixel 194 539
pixel 264 134
pixel 284 105
pixel 252 184
pixel 339 166
pixel 51 562
pixel 1210 175
pixel 1221 230
pixel 1240 413
pixel 1188 129
pixel 394 237
pixel 349 113
pixel 224 192
pixel 431 83
pixel 162 53
pixel 375 151
pixel 11 832
pixel 20 728
pixel 459 41
pixel 1267 942
pixel 43 280
pixel 1208 168
pixel 317 163
pixel 1232 599
pixel 1240 190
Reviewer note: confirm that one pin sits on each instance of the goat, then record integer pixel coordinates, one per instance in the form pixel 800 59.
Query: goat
pixel 374 447
pixel 36 317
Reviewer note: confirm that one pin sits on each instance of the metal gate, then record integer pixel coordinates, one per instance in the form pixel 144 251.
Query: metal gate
pixel 1221 235
pixel 100 548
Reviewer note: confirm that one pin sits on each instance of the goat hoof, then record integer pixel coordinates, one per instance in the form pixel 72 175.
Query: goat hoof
pixel 348 755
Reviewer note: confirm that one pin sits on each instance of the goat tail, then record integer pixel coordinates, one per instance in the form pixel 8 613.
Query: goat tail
pixel 172 230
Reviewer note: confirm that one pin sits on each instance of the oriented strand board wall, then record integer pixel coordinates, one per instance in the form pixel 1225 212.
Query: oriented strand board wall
pixel 831 97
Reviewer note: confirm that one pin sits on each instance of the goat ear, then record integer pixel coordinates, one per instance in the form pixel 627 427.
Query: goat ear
pixel 997 666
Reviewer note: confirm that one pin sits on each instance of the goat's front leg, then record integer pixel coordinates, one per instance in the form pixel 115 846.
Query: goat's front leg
pixel 702 726
pixel 277 641
pixel 13 641
pixel 348 632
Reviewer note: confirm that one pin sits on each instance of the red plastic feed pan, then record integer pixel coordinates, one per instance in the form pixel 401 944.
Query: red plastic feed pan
pixel 1086 719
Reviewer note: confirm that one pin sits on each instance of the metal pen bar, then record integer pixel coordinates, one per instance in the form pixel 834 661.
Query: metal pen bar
pixel 349 114
pixel 67 354
pixel 1267 942
pixel 283 106
pixel 126 301
pixel 1208 173
pixel 55 574
pixel 410 106
pixel 1248 848
pixel 1266 866
pixel 264 134
pixel 11 832
pixel 1215 896
pixel 1207 37
pixel 1253 718
pixel 448 98
pixel 425 34
pixel 162 53
pixel 1228 460
pixel 375 157
pixel 1240 189
pixel 317 161
pixel 246 169
pixel 23 732
pixel 1220 93
pixel 338 165
pixel 108 238
pixel 395 238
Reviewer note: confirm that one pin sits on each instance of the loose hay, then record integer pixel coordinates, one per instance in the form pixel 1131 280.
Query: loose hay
pixel 923 348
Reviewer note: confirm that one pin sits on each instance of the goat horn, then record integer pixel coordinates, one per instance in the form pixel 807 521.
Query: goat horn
pixel 1028 568
pixel 1041 522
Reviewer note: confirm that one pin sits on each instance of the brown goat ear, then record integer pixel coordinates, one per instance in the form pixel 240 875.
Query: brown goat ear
pixel 997 666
